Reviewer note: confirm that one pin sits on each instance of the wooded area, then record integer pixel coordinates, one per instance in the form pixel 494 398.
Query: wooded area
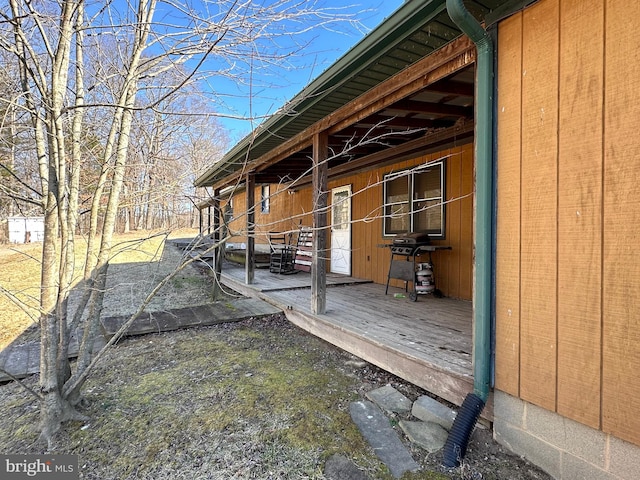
pixel 167 150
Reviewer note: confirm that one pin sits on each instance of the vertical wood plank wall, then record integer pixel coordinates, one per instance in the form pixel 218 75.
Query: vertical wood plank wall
pixel 621 279
pixel 580 209
pixel 567 266
pixel 369 260
pixel 288 210
pixel 538 225
pixel 507 358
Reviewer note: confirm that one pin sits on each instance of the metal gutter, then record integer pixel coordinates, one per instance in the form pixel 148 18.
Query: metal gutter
pixel 455 447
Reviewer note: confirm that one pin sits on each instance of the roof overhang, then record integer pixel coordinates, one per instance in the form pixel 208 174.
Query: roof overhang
pixel 409 80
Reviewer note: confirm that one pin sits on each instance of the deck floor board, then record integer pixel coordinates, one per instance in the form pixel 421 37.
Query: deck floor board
pixel 432 336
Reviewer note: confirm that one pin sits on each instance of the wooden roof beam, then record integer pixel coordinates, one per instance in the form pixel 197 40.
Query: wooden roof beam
pixel 451 87
pixel 392 123
pixel 439 109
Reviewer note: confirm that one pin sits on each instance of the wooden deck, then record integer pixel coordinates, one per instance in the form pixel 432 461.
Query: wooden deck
pixel 427 342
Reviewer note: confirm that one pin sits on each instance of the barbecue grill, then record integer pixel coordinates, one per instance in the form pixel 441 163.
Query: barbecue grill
pixel 408 244
pixel 404 251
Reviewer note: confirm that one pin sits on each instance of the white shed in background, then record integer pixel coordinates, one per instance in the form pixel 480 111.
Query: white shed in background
pixel 26 229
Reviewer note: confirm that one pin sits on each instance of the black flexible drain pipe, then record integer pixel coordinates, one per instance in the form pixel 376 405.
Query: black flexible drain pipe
pixel 456 446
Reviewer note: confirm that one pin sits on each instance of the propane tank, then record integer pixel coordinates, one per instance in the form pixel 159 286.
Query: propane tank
pixel 424 278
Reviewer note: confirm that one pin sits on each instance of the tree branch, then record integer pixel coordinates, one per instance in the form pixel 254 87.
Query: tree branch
pixel 78 379
pixel 19 180
pixel 19 382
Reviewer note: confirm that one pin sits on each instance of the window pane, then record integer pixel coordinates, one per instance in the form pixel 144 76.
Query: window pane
pixel 396 204
pixel 264 202
pixel 396 218
pixel 428 193
pixel 397 189
pixel 413 202
pixel 428 216
pixel 340 210
pixel 427 183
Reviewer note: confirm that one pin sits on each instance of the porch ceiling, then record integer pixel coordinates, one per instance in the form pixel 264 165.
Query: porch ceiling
pixel 413 32
pixel 425 114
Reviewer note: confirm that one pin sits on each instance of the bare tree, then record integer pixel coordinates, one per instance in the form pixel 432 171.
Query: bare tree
pixel 162 160
pixel 86 71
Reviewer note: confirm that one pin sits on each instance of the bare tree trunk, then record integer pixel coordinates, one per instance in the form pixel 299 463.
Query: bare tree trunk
pixel 52 409
pixel 57 249
pixel 97 294
pixel 12 150
pixel 72 216
pixel 126 210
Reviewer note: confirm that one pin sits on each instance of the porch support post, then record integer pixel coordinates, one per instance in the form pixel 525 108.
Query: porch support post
pixel 214 214
pixel 320 196
pixel 249 260
pixel 217 236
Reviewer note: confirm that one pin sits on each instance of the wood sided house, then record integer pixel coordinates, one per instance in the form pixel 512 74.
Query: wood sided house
pixel 512 141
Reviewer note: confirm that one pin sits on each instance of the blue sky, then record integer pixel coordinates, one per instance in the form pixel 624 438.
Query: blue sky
pixel 323 49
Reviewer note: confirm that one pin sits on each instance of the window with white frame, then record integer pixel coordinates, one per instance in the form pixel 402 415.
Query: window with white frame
pixel 413 201
pixel 264 200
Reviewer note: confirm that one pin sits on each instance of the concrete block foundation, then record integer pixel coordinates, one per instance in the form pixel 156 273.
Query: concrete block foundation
pixel 565 449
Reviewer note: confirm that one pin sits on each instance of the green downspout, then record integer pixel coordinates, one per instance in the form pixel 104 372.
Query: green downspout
pixel 456 445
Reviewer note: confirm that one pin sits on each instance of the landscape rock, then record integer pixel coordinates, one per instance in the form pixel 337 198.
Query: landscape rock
pixel 427 435
pixel 390 400
pixel 375 427
pixel 339 467
pixel 430 410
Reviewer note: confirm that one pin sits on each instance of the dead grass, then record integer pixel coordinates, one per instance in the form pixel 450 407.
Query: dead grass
pixel 257 399
pixel 20 275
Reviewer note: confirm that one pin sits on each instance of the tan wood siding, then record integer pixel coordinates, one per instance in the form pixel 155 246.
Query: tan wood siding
pixel 579 210
pixel 538 306
pixel 567 267
pixel 507 366
pixel 280 201
pixel 621 280
pixel 288 210
pixel 237 225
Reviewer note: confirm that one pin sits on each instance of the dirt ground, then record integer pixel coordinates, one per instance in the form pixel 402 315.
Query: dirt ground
pixel 257 399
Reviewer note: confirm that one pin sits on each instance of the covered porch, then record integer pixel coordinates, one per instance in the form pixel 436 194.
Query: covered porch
pixel 427 342
pixel 382 144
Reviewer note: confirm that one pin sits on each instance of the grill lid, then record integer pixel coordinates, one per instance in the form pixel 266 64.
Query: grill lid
pixel 412 239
